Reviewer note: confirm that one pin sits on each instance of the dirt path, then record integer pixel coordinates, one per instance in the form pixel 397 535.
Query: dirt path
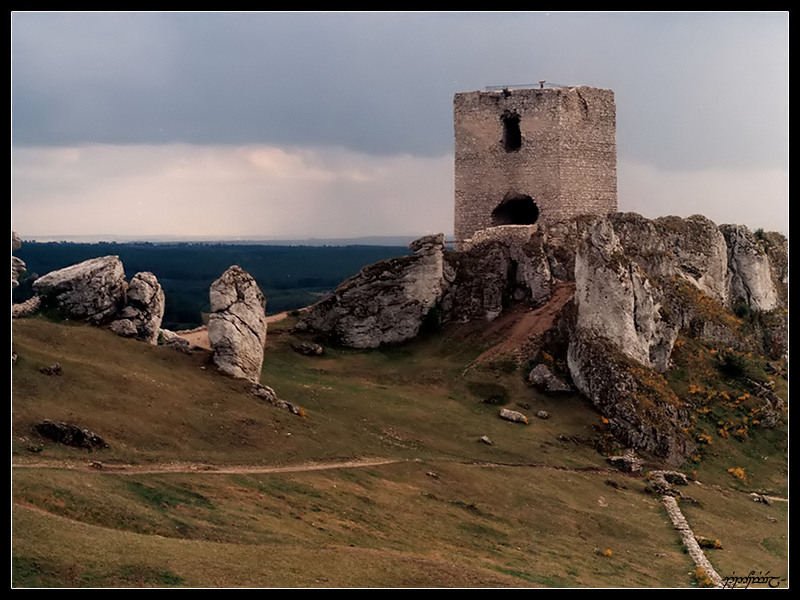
pixel 96 466
pixel 199 336
pixel 527 325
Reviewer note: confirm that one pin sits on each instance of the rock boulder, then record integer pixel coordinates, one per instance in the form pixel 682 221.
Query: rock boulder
pixel 542 377
pixel 387 302
pixel 17 265
pixel 93 290
pixel 144 309
pixel 237 328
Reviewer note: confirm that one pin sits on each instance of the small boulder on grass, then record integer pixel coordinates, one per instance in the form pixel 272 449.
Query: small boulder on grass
pixel 673 477
pixel 70 435
pixel 627 462
pixel 307 348
pixel 513 415
pixel 543 378
pixel 54 369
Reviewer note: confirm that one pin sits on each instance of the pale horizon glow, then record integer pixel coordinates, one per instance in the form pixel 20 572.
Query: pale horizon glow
pixel 222 192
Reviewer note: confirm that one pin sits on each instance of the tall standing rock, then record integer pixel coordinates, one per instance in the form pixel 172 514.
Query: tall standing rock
pixel 619 342
pixel 93 290
pixel 616 300
pixel 237 328
pixel 750 277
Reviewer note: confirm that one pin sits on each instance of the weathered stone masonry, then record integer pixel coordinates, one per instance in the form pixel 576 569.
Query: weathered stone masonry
pixel 524 156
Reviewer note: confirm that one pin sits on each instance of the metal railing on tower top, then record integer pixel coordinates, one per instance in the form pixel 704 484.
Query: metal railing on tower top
pixel 542 84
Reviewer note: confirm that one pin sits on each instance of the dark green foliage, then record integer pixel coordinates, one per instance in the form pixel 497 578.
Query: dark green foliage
pixel 735 365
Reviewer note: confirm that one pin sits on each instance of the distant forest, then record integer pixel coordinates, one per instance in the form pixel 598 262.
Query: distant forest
pixel 290 276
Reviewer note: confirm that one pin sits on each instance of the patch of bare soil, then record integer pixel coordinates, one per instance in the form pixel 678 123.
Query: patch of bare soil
pixel 199 336
pixel 518 328
pixel 196 337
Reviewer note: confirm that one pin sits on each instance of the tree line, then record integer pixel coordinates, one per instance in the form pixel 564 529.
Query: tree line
pixel 290 276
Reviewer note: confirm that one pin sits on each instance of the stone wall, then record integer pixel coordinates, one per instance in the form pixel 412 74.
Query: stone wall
pixel 552 148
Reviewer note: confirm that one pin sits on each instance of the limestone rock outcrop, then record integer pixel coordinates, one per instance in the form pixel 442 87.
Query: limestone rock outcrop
pixel 237 327
pixel 144 310
pixel 750 278
pixel 96 291
pixel 641 411
pixel 18 267
pixel 500 265
pixel 387 302
pixel 638 283
pixel 93 290
pixel 693 249
pixel 616 300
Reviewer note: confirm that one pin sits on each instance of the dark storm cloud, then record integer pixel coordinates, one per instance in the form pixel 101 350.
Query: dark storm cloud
pixel 693 90
pixel 301 79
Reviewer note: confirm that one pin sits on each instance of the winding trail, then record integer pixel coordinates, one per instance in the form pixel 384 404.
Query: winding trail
pixel 96 466
pixel 522 327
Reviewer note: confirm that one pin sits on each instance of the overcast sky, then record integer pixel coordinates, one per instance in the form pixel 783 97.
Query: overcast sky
pixel 295 125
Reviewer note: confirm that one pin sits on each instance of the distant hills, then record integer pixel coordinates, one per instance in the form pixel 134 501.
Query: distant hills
pixel 397 240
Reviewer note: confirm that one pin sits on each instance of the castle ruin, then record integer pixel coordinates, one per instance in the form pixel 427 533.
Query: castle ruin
pixel 531 155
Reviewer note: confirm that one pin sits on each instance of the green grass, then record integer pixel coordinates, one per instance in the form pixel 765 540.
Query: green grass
pixel 537 508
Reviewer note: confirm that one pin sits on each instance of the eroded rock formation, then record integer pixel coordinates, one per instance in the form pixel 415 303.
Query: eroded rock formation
pixel 93 290
pixel 96 291
pixel 750 276
pixel 141 317
pixel 237 328
pixel 387 302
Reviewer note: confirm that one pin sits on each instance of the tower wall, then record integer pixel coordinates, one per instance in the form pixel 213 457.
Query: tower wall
pixel 553 147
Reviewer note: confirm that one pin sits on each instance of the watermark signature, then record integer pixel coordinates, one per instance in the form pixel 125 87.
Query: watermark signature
pixel 751 579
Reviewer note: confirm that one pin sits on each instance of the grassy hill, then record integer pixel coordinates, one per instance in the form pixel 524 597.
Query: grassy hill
pixel 382 483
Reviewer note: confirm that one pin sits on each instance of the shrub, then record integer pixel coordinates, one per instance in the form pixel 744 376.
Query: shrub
pixel 738 473
pixel 708 543
pixel 701 577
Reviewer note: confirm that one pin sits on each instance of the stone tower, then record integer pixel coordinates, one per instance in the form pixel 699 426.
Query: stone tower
pixel 525 156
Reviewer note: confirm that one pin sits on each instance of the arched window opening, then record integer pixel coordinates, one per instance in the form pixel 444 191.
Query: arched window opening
pixel 516 210
pixel 512 136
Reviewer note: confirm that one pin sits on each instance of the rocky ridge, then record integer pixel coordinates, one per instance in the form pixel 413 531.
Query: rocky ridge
pixel 638 284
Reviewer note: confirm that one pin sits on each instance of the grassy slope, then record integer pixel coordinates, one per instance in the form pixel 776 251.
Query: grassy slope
pixel 536 508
